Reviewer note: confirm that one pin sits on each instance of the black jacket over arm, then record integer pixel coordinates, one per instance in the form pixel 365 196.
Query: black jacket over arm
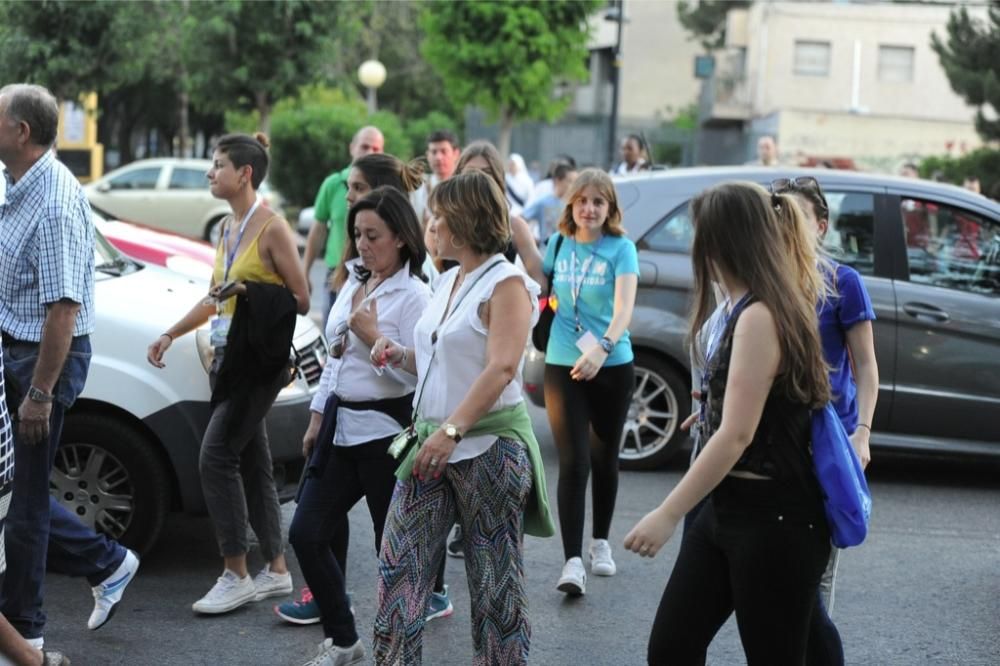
pixel 258 347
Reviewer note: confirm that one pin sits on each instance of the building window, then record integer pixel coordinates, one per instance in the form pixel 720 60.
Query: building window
pixel 812 58
pixel 895 64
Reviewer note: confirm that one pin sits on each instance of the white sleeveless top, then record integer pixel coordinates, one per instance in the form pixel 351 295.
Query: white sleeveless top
pixel 461 347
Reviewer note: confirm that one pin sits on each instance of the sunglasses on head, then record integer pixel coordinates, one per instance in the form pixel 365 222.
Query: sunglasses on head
pixel 804 184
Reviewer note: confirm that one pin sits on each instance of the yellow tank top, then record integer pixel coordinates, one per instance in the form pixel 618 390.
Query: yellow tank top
pixel 247 266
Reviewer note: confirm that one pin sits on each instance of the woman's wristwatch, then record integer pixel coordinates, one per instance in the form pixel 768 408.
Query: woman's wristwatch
pixel 607 344
pixel 450 431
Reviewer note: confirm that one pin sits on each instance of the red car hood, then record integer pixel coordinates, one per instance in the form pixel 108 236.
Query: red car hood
pixel 154 246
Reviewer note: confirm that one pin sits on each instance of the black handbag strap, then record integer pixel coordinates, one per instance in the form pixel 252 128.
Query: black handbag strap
pixel 555 257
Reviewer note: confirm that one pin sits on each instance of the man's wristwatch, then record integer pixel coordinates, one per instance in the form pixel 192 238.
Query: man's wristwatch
pixel 38 395
pixel 606 344
pixel 451 432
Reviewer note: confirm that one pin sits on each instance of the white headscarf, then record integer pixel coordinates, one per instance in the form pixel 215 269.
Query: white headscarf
pixel 519 183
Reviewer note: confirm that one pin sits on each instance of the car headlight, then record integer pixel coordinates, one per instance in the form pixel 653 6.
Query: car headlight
pixel 206 352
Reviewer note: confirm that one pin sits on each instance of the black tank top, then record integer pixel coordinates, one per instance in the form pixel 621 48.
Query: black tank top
pixel 780 446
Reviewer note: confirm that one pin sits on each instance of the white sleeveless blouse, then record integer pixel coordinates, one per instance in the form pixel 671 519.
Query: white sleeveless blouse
pixel 461 347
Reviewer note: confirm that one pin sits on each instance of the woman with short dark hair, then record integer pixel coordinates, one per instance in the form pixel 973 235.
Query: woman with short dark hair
pixel 256 253
pixel 471 424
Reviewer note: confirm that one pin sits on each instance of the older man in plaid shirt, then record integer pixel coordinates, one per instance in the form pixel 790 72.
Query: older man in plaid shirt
pixel 46 317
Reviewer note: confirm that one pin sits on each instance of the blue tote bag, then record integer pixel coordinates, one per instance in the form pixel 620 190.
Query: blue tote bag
pixel 846 499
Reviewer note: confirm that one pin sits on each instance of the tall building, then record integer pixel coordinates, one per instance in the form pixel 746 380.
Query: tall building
pixel 852 81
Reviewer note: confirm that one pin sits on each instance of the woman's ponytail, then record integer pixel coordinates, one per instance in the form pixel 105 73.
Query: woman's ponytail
pixel 800 243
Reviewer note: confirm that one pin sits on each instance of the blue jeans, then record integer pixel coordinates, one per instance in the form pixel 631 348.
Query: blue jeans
pixel 38 527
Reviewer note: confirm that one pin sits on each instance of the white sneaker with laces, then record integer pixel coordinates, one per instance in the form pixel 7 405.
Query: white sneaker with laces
pixel 334 655
pixel 574 578
pixel 271 584
pixel 601 563
pixel 228 593
pixel 109 593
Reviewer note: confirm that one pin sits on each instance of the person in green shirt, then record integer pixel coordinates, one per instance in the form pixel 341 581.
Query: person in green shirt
pixel 326 237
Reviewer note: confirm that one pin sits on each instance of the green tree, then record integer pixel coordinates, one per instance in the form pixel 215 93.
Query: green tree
pixel 970 56
pixel 127 52
pixel 706 19
pixel 508 57
pixel 311 135
pixel 249 55
pixel 392 33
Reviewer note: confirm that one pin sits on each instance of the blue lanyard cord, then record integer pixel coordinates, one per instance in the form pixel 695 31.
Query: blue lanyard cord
pixel 574 286
pixel 230 255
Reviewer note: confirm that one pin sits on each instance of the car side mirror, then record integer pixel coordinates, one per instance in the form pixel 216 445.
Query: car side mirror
pixel 104 187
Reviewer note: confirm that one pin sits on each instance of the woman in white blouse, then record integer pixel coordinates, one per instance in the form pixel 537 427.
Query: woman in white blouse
pixel 475 459
pixel 359 408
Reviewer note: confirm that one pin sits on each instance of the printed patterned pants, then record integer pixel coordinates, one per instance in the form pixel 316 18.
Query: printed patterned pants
pixel 487 496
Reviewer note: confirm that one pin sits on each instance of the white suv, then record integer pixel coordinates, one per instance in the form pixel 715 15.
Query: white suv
pixel 130 445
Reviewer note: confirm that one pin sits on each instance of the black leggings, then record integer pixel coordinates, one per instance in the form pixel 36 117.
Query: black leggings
pixel 757 547
pixel 587 419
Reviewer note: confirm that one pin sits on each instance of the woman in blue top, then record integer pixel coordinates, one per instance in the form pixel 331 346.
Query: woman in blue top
pixel 845 327
pixel 589 377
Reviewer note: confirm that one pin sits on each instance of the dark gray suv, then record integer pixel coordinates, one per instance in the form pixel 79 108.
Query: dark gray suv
pixel 930 258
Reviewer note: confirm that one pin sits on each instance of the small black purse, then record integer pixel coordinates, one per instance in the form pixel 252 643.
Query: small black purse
pixel 540 334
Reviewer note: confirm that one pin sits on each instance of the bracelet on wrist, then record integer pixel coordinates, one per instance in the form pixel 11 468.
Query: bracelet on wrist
pixel 167 335
pixel 865 426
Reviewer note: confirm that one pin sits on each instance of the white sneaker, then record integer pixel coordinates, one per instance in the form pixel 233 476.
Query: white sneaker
pixel 109 593
pixel 601 563
pixel 333 655
pixel 574 578
pixel 270 584
pixel 228 593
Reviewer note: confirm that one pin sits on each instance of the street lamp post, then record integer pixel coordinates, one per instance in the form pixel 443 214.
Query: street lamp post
pixel 371 74
pixel 616 14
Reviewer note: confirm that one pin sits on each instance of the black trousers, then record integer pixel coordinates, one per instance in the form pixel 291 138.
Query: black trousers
pixel 587 419
pixel 757 548
pixel 351 472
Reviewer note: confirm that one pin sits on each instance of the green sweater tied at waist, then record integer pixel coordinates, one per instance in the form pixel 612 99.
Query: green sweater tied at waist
pixel 510 423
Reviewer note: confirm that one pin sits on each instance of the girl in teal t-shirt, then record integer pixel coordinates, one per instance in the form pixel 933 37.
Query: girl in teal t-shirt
pixel 589 377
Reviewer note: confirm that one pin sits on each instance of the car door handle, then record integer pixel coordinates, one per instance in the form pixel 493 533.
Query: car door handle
pixel 924 311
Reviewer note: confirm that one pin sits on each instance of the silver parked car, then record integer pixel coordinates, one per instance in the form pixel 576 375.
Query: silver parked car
pixel 930 258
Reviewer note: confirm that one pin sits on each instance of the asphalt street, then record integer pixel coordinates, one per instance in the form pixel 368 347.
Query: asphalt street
pixel 923 589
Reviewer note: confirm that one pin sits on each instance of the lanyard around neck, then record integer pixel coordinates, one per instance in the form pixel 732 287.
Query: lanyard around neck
pixel 230 255
pixel 434 336
pixel 576 287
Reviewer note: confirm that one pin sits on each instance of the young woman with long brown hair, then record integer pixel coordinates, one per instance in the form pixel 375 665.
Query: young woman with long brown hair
pixel 761 542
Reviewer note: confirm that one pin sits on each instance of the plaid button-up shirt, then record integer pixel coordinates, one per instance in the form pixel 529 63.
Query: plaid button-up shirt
pixel 46 250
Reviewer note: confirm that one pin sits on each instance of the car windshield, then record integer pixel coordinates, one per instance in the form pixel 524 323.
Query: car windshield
pixel 107 258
